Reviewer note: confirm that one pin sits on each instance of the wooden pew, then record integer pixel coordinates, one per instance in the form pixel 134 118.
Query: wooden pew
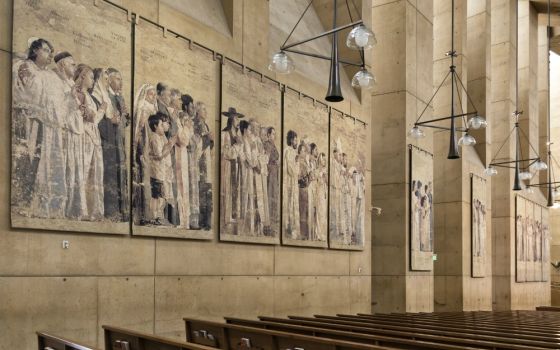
pixel 464 340
pixel 514 332
pixel 459 325
pixel 48 341
pixel 405 341
pixel 124 339
pixel 548 308
pixel 526 317
pixel 530 319
pixel 229 336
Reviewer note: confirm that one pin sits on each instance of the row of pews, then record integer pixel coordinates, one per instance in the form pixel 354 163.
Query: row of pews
pixel 451 330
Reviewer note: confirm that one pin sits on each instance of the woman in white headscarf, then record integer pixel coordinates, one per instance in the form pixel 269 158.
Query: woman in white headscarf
pixel 144 107
pixel 93 153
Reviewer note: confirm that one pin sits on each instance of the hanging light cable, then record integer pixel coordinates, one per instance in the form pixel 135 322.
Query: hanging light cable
pixel 360 38
pixel 535 164
pixel 475 122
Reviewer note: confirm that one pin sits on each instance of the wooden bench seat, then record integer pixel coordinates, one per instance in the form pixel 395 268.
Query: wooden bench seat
pixel 497 326
pixel 229 336
pixel 402 341
pixel 458 340
pixel 47 341
pixel 548 308
pixel 117 338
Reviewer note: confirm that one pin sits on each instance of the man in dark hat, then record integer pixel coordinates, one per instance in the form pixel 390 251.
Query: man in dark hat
pixel 232 151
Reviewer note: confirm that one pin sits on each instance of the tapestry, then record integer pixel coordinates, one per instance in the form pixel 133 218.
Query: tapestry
pixel 532 242
pixel 348 145
pixel 249 151
pixel 478 226
pixel 71 77
pixel 305 171
pixel 421 209
pixel 175 111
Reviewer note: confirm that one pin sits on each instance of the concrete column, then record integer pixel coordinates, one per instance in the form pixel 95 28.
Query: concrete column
pixel 543 100
pixel 455 289
pixel 507 293
pixel 555 135
pixel 402 61
pixel 528 81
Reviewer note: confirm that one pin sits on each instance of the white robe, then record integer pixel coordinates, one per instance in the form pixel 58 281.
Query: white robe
pixel 41 110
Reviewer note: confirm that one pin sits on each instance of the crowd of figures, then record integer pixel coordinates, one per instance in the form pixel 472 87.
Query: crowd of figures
pixel 173 150
pixel 422 215
pixel 347 192
pixel 530 240
pixel 69 121
pixel 479 227
pixel 305 189
pixel 250 188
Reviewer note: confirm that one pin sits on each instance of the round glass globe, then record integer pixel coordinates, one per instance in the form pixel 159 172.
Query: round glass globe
pixel 525 175
pixel 363 79
pixel 466 140
pixel 281 63
pixel 539 165
pixel 360 37
pixel 490 171
pixel 477 122
pixel 416 133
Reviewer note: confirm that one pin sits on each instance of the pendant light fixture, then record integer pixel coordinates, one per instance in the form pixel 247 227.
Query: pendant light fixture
pixel 475 122
pixel 360 38
pixel 524 168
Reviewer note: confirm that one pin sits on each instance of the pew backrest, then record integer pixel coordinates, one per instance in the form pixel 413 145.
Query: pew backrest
pixel 229 336
pixel 47 341
pixel 117 338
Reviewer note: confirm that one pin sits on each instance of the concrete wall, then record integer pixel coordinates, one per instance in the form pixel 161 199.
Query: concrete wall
pixel 149 284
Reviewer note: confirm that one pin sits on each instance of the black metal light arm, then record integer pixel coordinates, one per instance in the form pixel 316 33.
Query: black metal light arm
pixel 358 64
pixel 329 32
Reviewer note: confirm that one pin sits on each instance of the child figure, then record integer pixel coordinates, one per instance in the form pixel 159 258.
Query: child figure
pixel 161 170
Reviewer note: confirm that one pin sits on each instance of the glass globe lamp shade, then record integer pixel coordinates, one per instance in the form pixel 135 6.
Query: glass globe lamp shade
pixel 477 122
pixel 416 133
pixel 281 63
pixel 525 175
pixel 490 171
pixel 360 37
pixel 539 165
pixel 466 140
pixel 528 190
pixel 363 79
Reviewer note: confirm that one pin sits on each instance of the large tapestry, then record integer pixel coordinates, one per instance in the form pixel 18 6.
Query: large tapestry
pixel 347 182
pixel 478 226
pixel 175 111
pixel 249 164
pixel 305 171
pixel 421 209
pixel 532 241
pixel 71 78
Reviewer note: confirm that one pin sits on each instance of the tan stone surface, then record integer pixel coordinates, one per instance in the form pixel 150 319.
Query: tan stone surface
pixel 126 302
pixel 294 262
pixel 210 298
pixel 112 279
pixel 307 296
pixel 64 306
pixel 6 29
pixel 360 294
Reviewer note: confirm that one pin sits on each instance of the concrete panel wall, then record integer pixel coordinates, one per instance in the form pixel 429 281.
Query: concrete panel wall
pixel 149 284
